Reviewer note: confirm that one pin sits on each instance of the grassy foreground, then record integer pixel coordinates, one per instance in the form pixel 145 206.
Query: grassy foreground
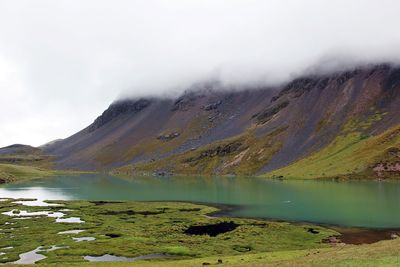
pixel 135 228
pixel 384 253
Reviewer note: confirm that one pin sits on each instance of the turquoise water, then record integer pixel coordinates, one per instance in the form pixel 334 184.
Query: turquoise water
pixel 352 203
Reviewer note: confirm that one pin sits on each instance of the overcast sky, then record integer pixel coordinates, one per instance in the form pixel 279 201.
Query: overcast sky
pixel 63 62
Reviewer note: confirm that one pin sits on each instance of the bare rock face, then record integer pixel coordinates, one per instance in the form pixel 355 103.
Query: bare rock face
pixel 212 106
pixel 345 76
pixel 168 137
pixel 220 150
pixel 187 101
pixel 391 164
pixel 387 168
pixel 267 114
pixel 299 86
pixel 119 108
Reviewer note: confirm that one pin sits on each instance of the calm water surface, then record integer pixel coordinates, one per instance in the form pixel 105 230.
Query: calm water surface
pixel 352 203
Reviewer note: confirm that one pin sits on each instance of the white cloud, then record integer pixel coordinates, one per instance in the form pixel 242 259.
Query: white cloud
pixel 62 62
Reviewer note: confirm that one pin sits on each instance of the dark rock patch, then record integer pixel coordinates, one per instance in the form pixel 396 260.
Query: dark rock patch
pixel 132 212
pixel 211 229
pixel 98 203
pixel 393 79
pixel 345 76
pixel 297 87
pixel 266 115
pixel 323 84
pixel 113 235
pixel 188 210
pixel 312 231
pixel 169 136
pixel 212 106
pixel 186 102
pixel 220 150
pixel 162 173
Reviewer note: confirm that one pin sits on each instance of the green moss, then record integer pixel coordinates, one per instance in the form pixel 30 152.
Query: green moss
pixel 178 250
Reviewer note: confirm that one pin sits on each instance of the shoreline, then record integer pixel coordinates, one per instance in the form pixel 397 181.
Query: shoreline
pixel 60 172
pixel 342 178
pixel 354 235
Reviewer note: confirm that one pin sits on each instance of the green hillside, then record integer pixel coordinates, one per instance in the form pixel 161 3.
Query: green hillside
pixel 349 154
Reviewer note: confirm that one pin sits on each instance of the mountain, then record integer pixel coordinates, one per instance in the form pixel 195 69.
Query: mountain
pixel 18 149
pixel 24 155
pixel 332 125
pixel 19 162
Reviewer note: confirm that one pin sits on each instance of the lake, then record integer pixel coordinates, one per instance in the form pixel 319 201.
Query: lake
pixel 373 204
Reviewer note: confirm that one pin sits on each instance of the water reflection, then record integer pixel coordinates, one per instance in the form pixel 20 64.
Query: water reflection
pixel 33 191
pixel 112 258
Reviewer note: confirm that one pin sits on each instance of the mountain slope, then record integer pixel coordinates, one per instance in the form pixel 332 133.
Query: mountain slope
pixel 212 129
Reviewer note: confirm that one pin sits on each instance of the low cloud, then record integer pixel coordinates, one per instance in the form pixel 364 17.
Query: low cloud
pixel 63 62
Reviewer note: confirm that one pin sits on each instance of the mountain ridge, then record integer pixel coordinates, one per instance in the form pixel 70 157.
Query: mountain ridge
pixel 239 132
